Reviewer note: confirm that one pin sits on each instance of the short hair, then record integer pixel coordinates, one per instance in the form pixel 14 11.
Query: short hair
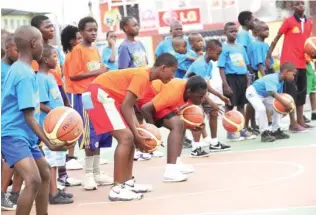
pixel 243 17
pixel 166 59
pixel 288 66
pixel 82 22
pixel 36 21
pixel 124 21
pixel 258 25
pixel 212 43
pixel 193 35
pixel 229 24
pixel 196 83
pixel 47 50
pixel 177 40
pixel 108 33
pixel 68 33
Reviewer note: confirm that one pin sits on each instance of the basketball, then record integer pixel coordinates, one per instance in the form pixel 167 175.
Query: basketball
pixel 63 125
pixel 310 46
pixel 279 107
pixel 192 116
pixel 150 131
pixel 233 121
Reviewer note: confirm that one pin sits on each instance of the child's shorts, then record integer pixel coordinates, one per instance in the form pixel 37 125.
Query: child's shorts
pixel 311 79
pixel 238 84
pixel 55 159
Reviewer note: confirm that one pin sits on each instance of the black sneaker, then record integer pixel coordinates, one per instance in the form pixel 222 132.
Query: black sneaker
pixel 60 199
pixel 313 116
pixel 6 204
pixel 254 131
pixel 306 120
pixel 199 153
pixel 14 197
pixel 187 144
pixel 219 147
pixel 67 195
pixel 267 137
pixel 280 135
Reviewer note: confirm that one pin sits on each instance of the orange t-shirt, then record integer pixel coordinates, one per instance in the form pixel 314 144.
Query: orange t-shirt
pixel 35 65
pixel 68 82
pixel 117 83
pixel 83 59
pixel 168 95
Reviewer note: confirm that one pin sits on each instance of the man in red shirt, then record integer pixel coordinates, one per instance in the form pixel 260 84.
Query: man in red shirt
pixel 296 30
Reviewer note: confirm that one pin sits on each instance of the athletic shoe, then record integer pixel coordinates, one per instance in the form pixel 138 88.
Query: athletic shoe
pixel 157 154
pixel 187 143
pixel 306 120
pixel 185 168
pixel 103 179
pixel 66 195
pixel 73 164
pixel 137 188
pixel 6 204
pixel 174 176
pixel 280 135
pixel 247 134
pixel 255 131
pixel 199 153
pixel 139 156
pixel 234 137
pixel 298 129
pixel 60 199
pixel 266 137
pixel 14 196
pixel 219 147
pixel 121 193
pixel 69 182
pixel 89 182
pixel 313 117
pixel 103 161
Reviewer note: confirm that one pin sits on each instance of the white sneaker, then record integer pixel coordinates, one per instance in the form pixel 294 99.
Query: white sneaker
pixel 71 182
pixel 60 187
pixel 121 193
pixel 89 182
pixel 174 176
pixel 186 168
pixel 157 154
pixel 73 164
pixel 103 161
pixel 139 156
pixel 138 188
pixel 103 179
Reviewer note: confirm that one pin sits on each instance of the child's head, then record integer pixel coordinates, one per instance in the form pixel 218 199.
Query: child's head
pixel 10 48
pixel 176 29
pixel 261 29
pixel 29 40
pixel 130 26
pixel 196 89
pixel 49 57
pixel 213 49
pixel 88 29
pixel 231 31
pixel 70 37
pixel 179 45
pixel 45 26
pixel 196 41
pixel 246 19
pixel 288 71
pixel 166 65
pixel 299 7
pixel 110 35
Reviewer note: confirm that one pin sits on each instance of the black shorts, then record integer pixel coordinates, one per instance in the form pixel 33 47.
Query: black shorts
pixel 159 123
pixel 238 84
pixel 298 88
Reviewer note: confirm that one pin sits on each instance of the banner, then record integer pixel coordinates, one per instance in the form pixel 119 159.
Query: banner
pixel 189 16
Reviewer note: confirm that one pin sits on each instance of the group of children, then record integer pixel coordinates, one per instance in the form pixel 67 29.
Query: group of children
pixel 114 103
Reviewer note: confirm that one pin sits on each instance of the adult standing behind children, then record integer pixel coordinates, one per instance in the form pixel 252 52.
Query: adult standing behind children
pixel 296 29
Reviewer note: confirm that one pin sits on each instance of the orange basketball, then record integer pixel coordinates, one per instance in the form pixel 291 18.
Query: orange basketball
pixel 233 121
pixel 310 46
pixel 192 116
pixel 150 131
pixel 279 107
pixel 63 125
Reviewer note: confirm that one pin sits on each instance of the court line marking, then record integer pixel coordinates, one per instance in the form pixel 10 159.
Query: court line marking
pixel 254 211
pixel 299 170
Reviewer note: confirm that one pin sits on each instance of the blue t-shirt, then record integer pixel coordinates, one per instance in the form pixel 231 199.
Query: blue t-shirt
pixel 268 83
pixel 49 93
pixel 61 57
pixel 165 46
pixel 106 55
pixel 20 91
pixel 202 68
pixel 131 55
pixel 245 38
pixel 257 53
pixel 4 71
pixel 233 59
pixel 183 62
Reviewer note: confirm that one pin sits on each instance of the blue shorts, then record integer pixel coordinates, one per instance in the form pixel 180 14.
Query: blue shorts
pixel 89 136
pixel 15 149
pixel 62 92
pixel 70 97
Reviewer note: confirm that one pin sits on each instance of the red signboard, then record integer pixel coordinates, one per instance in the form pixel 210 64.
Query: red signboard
pixel 186 16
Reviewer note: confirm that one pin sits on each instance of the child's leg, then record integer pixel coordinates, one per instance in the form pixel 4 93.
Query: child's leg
pixel 248 115
pixel 312 97
pixel 6 176
pixel 53 190
pixel 16 187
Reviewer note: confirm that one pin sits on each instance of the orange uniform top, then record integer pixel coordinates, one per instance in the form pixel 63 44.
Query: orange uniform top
pixel 168 95
pixel 117 83
pixel 68 82
pixel 83 59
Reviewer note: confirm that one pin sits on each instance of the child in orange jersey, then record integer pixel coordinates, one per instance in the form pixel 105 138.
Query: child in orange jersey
pixel 110 101
pixel 84 66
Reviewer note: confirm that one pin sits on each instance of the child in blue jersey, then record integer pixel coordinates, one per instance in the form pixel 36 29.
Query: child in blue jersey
pixel 203 67
pixel 234 65
pixel 196 42
pixel 109 52
pixel 19 124
pixel 261 94
pixel 247 22
pixel 50 98
pixel 184 56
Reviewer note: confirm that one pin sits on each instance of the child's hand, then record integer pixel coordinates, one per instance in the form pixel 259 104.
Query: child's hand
pixel 199 127
pixel 227 90
pixel 268 63
pixel 225 99
pixel 65 147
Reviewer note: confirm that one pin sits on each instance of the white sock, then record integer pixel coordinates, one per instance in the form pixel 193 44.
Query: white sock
pixel 178 161
pixel 195 145
pixel 213 141
pixel 96 165
pixel 89 164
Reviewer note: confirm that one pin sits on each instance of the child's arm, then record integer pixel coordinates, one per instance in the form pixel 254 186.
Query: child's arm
pixel 214 92
pixel 191 58
pixel 89 74
pixel 226 88
pixel 65 97
pixel 44 107
pixel 272 47
pixel 147 111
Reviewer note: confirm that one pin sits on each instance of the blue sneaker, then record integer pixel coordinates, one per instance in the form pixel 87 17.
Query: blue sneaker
pixel 234 137
pixel 248 135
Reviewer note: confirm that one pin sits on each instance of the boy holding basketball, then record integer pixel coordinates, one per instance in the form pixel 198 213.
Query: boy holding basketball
pixel 261 94
pixel 110 101
pixel 85 65
pixel 19 124
pixel 50 98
